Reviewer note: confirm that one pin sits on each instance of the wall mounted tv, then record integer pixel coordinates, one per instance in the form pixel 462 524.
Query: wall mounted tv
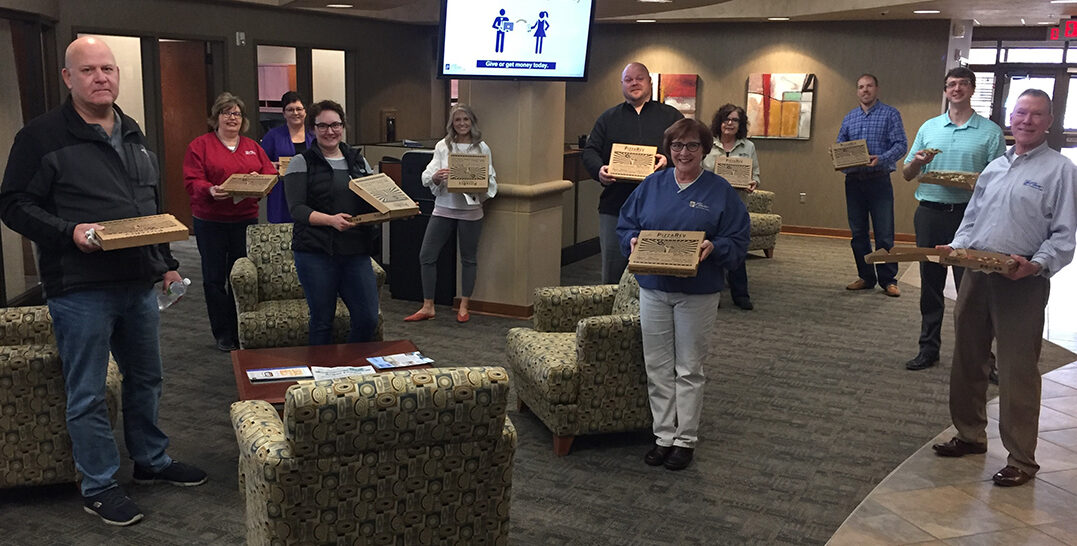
pixel 515 39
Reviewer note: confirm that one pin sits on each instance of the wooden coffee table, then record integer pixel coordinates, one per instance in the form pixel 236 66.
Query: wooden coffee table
pixel 344 354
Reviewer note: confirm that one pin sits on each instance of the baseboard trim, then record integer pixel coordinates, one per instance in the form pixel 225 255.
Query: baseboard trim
pixel 839 233
pixel 579 251
pixel 495 309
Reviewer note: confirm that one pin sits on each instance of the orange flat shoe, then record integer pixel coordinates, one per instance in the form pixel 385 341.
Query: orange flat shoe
pixel 463 318
pixel 417 316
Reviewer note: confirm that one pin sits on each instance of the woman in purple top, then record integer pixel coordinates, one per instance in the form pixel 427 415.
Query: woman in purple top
pixel 288 140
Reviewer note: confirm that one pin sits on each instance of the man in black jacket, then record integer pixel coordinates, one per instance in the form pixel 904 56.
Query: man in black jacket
pixel 82 163
pixel 639 120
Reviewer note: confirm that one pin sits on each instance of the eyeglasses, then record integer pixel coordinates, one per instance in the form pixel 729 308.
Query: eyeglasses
pixel 294 110
pixel 336 126
pixel 692 146
pixel 236 114
pixel 962 82
pixel 731 120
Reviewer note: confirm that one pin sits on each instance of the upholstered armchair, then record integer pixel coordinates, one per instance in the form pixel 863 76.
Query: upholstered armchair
pixel 580 368
pixel 34 446
pixel 270 305
pixel 765 224
pixel 405 457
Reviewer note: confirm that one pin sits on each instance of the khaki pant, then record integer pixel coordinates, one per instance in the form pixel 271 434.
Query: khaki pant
pixel 992 306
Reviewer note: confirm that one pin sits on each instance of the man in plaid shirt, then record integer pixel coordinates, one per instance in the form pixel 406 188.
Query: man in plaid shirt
pixel 868 192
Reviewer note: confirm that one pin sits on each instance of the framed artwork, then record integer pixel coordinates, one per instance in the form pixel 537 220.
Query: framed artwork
pixel 678 91
pixel 780 105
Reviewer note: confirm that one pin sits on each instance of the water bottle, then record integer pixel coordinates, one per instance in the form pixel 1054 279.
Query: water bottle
pixel 176 290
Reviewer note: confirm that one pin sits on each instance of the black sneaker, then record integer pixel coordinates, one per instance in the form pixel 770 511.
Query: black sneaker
pixel 177 473
pixel 114 507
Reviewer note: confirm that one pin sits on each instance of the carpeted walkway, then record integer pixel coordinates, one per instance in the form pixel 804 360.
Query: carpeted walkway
pixel 808 406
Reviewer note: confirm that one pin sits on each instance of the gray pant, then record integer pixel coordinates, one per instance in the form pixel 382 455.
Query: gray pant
pixel 437 234
pixel 613 262
pixel 676 332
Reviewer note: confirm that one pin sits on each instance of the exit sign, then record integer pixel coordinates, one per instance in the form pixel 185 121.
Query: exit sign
pixel 1065 31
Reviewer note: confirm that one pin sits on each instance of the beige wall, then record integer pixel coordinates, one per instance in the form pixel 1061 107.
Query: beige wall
pixel 907 57
pixel 400 79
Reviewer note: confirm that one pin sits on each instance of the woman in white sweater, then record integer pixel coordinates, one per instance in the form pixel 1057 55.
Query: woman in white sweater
pixel 459 211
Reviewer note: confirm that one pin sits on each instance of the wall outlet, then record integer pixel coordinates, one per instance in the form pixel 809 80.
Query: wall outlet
pixel 803 198
pixel 241 39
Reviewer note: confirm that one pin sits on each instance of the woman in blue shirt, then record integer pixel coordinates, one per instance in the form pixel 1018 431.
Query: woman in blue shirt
pixel 677 315
pixel 290 139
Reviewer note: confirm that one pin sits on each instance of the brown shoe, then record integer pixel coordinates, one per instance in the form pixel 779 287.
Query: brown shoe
pixel 1011 476
pixel 892 290
pixel 957 447
pixel 859 284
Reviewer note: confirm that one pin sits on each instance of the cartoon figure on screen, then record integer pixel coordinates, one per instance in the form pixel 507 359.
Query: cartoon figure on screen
pixel 499 42
pixel 540 27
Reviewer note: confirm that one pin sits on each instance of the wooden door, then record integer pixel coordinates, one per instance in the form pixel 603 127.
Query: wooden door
pixel 184 109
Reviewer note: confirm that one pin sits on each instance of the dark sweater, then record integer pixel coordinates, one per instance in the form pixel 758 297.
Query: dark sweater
pixel 311 184
pixel 62 172
pixel 622 125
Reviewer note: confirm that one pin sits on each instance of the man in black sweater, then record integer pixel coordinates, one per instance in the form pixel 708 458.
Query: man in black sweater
pixel 80 164
pixel 638 120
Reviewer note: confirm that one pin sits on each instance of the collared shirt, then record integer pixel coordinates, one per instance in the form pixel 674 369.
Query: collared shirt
pixel 621 124
pixel 742 147
pixel 116 138
pixel 881 127
pixel 969 148
pixel 1026 205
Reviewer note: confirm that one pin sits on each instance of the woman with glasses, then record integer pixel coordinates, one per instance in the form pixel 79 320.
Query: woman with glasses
pixel 332 254
pixel 677 314
pixel 730 129
pixel 287 140
pixel 220 223
pixel 460 212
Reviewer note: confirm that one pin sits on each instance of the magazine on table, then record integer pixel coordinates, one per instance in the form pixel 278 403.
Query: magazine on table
pixel 402 360
pixel 322 373
pixel 287 373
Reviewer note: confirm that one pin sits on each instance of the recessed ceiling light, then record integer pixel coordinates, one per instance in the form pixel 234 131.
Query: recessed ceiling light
pixel 342 6
pixel 1045 23
pixel 1064 1
pixel 777 18
pixel 655 1
pixel 645 21
pixel 925 11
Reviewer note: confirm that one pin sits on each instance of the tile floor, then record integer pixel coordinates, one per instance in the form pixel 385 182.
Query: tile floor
pixel 936 500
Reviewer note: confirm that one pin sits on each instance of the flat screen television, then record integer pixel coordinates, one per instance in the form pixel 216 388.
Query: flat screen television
pixel 515 39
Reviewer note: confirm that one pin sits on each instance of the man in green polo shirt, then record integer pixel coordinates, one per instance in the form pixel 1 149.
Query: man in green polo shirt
pixel 958 140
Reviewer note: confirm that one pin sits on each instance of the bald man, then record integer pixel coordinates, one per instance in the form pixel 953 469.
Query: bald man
pixel 80 164
pixel 638 120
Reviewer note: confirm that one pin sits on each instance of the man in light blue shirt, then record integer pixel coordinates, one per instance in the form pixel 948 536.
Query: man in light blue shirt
pixel 958 140
pixel 1024 205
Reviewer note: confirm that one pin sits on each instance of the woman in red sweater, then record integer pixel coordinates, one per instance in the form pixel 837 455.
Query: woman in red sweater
pixel 220 224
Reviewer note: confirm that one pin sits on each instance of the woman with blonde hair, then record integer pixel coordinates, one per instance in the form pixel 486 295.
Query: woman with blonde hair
pixel 453 211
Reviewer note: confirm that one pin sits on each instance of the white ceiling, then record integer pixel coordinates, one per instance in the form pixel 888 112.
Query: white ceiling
pixel 984 12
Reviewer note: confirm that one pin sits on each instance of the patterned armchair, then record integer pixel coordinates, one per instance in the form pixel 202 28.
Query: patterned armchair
pixel 580 369
pixel 765 224
pixel 270 305
pixel 405 457
pixel 34 446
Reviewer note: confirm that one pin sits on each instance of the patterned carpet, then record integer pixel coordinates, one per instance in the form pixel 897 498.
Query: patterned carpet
pixel 807 407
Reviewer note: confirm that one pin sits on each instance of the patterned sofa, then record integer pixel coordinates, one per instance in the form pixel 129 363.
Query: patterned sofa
pixel 405 457
pixel 34 446
pixel 270 305
pixel 765 224
pixel 580 369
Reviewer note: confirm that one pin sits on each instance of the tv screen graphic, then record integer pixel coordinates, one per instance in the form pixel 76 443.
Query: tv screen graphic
pixel 515 39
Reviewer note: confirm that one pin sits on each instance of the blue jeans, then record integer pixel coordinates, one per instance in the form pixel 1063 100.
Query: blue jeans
pixel 88 324
pixel 220 244
pixel 872 197
pixel 324 277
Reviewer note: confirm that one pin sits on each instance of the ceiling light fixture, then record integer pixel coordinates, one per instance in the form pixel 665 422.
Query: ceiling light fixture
pixel 655 1
pixel 777 18
pixel 925 11
pixel 646 21
pixel 1064 1
pixel 1045 23
pixel 340 6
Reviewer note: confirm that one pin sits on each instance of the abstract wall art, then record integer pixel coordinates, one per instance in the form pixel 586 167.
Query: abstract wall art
pixel 678 91
pixel 780 105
